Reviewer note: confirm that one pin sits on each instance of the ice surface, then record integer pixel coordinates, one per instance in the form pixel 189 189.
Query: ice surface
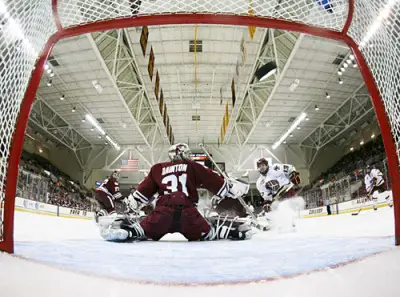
pixel 318 244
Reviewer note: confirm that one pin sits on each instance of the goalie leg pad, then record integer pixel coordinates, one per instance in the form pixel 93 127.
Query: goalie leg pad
pixel 224 227
pixel 123 230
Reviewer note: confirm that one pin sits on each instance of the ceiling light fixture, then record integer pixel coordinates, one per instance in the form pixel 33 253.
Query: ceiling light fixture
pixel 113 143
pixel 307 118
pixel 342 69
pixel 49 83
pixel 46 66
pixel 266 71
pixel 298 127
pixel 49 70
pixel 339 72
pixel 354 64
pixel 340 81
pixel 316 107
pixel 327 95
pixel 92 129
pixel 40 150
pixel 361 142
pixel 73 109
pixel 94 123
pixel 372 136
pixel 296 123
pixel 345 65
pixel 294 85
pixel 62 97
pixel 97 86
pixel 348 61
pixel 51 74
pixel 352 149
pixel 83 120
pixel 351 57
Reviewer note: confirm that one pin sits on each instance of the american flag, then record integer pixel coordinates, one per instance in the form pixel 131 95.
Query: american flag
pixel 129 165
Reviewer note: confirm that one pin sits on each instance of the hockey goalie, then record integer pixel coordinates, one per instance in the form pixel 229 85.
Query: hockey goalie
pixel 176 183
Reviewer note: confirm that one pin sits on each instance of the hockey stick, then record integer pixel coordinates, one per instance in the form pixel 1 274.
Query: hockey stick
pixel 362 206
pixel 240 199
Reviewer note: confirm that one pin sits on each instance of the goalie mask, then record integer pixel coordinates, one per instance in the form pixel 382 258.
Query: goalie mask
pixel 263 166
pixel 179 152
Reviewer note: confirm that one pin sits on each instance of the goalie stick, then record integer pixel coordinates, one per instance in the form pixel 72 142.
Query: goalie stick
pixel 240 199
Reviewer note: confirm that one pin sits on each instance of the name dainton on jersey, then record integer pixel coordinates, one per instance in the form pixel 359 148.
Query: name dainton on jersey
pixel 174 168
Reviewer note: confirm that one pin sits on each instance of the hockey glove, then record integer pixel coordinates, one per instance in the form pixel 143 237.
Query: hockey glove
pixel 295 178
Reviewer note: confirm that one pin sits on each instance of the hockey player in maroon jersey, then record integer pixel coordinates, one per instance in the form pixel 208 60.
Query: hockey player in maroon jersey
pixel 176 183
pixel 107 194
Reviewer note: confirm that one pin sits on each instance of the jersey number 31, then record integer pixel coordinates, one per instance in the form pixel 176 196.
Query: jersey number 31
pixel 172 182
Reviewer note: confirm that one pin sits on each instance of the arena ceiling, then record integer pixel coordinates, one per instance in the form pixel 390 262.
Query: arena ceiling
pixel 195 66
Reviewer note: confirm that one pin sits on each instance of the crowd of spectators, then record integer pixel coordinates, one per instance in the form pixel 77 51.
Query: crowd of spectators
pixel 372 153
pixel 40 180
pixel 352 167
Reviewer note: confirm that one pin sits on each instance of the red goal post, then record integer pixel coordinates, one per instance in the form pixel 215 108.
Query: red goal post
pixel 30 29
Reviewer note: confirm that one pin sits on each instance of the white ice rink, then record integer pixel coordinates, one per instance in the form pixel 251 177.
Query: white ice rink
pixel 329 256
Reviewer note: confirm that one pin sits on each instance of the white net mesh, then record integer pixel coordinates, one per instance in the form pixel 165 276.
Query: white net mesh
pixel 25 26
pixel 310 12
pixel 376 28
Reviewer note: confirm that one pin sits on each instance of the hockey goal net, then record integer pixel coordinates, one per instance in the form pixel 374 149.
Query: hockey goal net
pixel 29 29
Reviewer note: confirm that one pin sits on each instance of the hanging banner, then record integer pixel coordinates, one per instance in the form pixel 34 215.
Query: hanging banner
pixel 150 66
pixel 161 105
pixel 233 92
pixel 165 114
pixel 157 86
pixel 144 37
pixel 252 29
pixel 226 115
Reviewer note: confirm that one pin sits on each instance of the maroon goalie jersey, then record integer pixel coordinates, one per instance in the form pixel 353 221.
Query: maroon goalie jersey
pixel 182 176
pixel 111 188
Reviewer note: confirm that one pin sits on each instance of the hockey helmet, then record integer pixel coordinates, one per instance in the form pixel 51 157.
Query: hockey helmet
pixel 115 175
pixel 262 169
pixel 179 152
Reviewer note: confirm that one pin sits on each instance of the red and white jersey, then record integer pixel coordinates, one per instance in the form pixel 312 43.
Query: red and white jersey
pixel 182 176
pixel 278 172
pixel 111 188
pixel 374 178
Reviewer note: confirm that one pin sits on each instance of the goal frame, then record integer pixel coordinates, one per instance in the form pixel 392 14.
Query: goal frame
pixel 198 18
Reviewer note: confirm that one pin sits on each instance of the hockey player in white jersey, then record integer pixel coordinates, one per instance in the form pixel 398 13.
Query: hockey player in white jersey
pixel 375 185
pixel 276 181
